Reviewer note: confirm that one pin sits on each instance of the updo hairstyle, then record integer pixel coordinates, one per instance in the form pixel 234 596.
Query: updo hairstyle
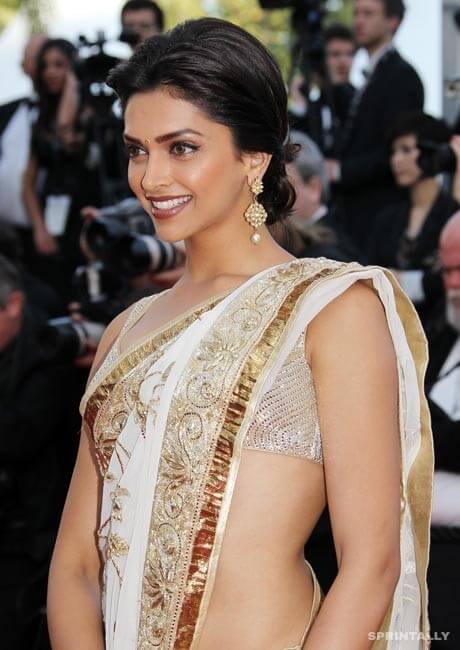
pixel 230 76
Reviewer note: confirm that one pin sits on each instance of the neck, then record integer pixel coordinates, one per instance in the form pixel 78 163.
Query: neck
pixel 225 249
pixel 423 194
pixel 373 48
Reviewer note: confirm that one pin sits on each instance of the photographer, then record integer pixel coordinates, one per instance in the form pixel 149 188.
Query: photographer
pixel 362 174
pixel 140 19
pixel 59 152
pixel 124 262
pixel 340 51
pixel 319 106
pixel 406 234
pixel 36 403
pixel 131 217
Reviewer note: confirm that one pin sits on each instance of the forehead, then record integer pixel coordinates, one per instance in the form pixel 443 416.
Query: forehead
pixel 370 6
pixel 54 54
pixel 408 139
pixel 139 16
pixel 335 43
pixel 156 112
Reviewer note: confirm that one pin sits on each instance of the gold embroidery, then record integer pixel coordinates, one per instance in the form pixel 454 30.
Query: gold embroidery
pixel 116 547
pixel 202 425
pixel 108 408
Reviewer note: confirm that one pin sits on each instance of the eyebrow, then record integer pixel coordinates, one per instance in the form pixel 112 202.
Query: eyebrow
pixel 161 138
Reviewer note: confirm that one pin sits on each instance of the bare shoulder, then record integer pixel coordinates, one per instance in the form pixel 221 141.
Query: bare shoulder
pixel 355 319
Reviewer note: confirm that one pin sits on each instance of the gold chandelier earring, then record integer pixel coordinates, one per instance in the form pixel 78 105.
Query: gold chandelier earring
pixel 256 214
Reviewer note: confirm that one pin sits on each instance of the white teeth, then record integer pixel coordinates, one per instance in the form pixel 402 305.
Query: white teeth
pixel 172 203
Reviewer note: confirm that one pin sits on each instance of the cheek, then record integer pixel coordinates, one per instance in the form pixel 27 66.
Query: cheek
pixel 206 173
pixel 136 172
pixel 213 179
pixel 413 165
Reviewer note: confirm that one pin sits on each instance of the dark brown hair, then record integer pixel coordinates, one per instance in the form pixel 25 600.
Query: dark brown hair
pixel 233 79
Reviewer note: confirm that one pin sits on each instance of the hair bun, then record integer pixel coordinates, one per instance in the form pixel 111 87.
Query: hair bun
pixel 290 151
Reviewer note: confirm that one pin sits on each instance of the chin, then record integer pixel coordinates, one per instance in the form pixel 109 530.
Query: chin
pixel 403 182
pixel 170 235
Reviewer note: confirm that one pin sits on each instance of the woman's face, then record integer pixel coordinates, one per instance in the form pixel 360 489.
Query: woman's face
pixel 403 160
pixel 184 167
pixel 54 70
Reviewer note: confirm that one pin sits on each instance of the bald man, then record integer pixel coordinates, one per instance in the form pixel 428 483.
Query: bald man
pixel 15 133
pixel 443 390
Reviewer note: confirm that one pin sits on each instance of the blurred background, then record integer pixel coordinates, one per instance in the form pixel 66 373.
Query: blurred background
pixel 428 22
pixel 374 105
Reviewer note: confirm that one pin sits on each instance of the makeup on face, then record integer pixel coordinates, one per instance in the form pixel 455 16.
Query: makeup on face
pixel 183 166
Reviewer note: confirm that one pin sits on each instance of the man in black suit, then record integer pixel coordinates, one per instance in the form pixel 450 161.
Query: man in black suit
pixel 365 184
pixel 443 391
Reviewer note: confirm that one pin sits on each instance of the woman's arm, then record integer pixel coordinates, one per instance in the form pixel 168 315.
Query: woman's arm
pixel 74 610
pixel 353 361
pixel 74 592
pixel 44 242
pixel 68 105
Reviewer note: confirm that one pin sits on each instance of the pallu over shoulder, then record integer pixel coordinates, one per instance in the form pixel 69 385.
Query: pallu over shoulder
pixel 169 419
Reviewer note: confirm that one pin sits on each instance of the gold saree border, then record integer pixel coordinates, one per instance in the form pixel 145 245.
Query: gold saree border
pixel 104 446
pixel 224 467
pixel 420 479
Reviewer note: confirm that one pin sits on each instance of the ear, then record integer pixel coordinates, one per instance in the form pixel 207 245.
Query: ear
pixel 393 23
pixel 256 164
pixel 15 304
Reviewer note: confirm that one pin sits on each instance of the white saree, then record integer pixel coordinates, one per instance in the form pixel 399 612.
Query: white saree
pixel 168 418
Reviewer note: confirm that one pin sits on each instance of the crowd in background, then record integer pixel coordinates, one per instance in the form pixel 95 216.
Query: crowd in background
pixel 377 181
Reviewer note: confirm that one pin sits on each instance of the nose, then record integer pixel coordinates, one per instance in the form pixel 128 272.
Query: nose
pixel 157 175
pixel 395 163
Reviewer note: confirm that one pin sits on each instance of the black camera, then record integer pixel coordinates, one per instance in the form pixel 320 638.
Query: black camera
pixel 308 49
pixel 131 253
pixel 435 158
pixel 69 338
pixel 307 15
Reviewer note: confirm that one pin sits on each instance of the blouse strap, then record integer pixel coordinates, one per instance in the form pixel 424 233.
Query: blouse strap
pixel 138 310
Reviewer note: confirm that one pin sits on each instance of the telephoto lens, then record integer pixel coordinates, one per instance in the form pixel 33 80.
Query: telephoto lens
pixel 137 254
pixel 128 252
pixel 68 338
pixel 103 233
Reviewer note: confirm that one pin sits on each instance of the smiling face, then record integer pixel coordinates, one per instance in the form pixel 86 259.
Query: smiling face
pixel 185 168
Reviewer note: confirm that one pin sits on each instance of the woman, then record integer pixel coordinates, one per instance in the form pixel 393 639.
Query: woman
pixel 406 235
pixel 53 201
pixel 202 418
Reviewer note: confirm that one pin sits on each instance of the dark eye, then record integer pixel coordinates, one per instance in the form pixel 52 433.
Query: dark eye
pixel 133 150
pixel 183 148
